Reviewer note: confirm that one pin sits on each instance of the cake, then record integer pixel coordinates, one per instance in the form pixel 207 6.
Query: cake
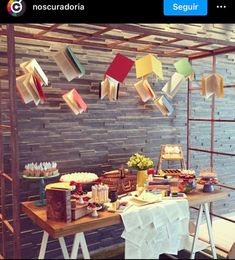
pixel 207 174
pixel 79 177
pixel 187 174
pixel 100 193
pixel 42 169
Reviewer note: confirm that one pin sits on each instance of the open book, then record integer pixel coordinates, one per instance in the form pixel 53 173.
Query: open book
pixel 30 89
pixel 34 68
pixel 144 90
pixel 212 84
pixel 69 64
pixel 75 102
pixel 109 87
pixel 173 85
pixel 164 105
pixel 148 64
pixel 184 67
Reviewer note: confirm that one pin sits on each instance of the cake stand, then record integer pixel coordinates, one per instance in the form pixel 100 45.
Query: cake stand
pixel 42 201
pixel 208 183
pixel 94 210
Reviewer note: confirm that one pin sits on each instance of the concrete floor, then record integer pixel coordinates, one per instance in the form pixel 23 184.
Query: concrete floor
pixel 223 231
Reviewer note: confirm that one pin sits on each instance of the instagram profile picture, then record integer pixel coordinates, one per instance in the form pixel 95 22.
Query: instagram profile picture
pixel 16 7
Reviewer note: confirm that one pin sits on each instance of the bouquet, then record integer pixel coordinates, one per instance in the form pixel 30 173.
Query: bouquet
pixel 140 162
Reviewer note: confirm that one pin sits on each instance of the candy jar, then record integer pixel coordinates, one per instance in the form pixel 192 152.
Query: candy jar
pixel 187 183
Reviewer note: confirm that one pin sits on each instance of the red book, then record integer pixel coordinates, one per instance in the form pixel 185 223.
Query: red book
pixel 78 99
pixel 39 88
pixel 119 68
pixel 75 102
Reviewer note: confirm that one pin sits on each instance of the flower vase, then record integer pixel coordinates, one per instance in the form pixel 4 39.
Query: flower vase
pixel 142 175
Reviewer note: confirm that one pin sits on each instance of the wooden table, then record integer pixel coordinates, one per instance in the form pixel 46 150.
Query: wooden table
pixel 59 230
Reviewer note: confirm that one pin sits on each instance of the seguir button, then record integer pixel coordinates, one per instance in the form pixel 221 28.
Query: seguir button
pixel 185 7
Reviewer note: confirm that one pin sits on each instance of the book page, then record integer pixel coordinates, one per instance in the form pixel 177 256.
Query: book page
pixel 149 88
pixel 34 67
pixel 65 65
pixel 143 92
pixel 33 90
pixel 104 91
pixel 173 85
pixel 158 102
pixel 68 98
pixel 21 83
pixel 23 66
pixel 113 88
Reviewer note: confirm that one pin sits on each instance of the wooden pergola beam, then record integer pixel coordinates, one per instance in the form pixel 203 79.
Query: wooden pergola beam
pixel 218 51
pixel 157 32
pixel 112 44
pixel 50 29
pixel 91 44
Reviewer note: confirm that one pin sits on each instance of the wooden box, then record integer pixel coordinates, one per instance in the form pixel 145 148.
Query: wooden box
pixel 58 204
pixel 80 211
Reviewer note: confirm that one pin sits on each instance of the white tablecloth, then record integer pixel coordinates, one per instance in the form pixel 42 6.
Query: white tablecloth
pixel 155 229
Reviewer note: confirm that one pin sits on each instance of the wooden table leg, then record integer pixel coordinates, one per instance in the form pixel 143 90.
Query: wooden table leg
pixel 209 228
pixel 43 247
pixel 199 217
pixel 63 248
pixel 79 238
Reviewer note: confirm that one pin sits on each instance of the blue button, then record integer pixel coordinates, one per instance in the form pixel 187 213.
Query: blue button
pixel 185 7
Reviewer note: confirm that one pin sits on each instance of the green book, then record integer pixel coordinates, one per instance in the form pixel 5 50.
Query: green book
pixel 75 61
pixel 184 67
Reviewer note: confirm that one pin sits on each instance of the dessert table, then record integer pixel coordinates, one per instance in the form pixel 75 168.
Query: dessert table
pixel 58 230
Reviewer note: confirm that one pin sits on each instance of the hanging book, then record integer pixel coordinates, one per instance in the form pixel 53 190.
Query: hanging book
pixel 119 68
pixel 184 67
pixel 164 105
pixel 173 85
pixel 75 102
pixel 38 85
pixel 212 84
pixel 109 87
pixel 147 65
pixel 30 89
pixel 21 85
pixel 69 64
pixel 144 90
pixel 34 68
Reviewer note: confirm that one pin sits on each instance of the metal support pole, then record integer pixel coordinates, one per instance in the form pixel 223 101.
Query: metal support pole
pixel 212 120
pixel 14 138
pixel 188 117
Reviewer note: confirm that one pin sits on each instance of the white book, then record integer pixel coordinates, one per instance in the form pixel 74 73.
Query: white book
pixel 113 88
pixel 144 90
pixel 33 67
pixel 21 84
pixel 64 63
pixel 104 91
pixel 164 106
pixel 109 87
pixel 173 85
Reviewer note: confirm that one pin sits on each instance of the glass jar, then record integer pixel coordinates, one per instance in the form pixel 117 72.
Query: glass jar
pixel 113 195
pixel 187 183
